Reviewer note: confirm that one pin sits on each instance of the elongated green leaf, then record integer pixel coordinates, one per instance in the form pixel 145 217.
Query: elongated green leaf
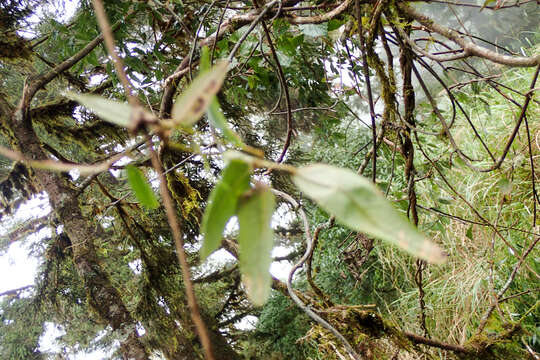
pixel 142 189
pixel 192 103
pixel 217 120
pixel 256 240
pixel 222 204
pixel 205 64
pixel 358 204
pixel 215 114
pixel 112 111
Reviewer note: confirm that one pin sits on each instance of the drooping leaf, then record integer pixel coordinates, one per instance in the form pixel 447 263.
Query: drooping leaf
pixel 205 63
pixel 215 114
pixel 217 120
pixel 112 111
pixel 142 189
pixel 358 204
pixel 256 240
pixel 192 103
pixel 222 204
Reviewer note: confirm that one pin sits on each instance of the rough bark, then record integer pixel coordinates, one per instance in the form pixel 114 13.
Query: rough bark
pixel 102 296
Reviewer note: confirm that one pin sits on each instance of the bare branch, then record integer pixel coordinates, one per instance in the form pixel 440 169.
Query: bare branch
pixel 31 226
pixel 59 166
pixel 468 47
pixel 320 18
pixel 292 294
pixel 15 291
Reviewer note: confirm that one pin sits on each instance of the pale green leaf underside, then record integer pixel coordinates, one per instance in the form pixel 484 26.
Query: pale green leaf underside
pixel 358 204
pixel 192 103
pixel 256 240
pixel 112 111
pixel 222 204
pixel 142 189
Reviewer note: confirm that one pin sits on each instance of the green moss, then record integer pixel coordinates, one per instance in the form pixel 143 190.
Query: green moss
pixel 497 345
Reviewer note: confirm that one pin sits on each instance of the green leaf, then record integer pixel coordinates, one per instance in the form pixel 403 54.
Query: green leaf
pixel 444 201
pixel 314 30
pixel 217 119
pixel 357 203
pixel 222 204
pixel 334 24
pixel 192 103
pixel 112 111
pixel 487 3
pixel 505 186
pixel 469 233
pixel 205 64
pixel 215 114
pixel 142 189
pixel 256 240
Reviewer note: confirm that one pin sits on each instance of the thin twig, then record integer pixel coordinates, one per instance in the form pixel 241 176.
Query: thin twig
pixel 285 87
pixel 365 69
pixel 517 266
pixel 192 51
pixel 292 294
pixel 59 166
pixel 108 37
pixel 533 173
pixel 172 218
pixel 250 29
pixel 167 200
pixel 217 30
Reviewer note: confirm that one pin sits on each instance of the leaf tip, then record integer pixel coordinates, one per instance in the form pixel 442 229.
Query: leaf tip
pixel 257 289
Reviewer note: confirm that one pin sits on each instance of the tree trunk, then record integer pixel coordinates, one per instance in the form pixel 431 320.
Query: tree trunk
pixel 102 296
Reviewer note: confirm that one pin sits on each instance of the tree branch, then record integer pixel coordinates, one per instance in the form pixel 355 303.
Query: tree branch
pixel 468 47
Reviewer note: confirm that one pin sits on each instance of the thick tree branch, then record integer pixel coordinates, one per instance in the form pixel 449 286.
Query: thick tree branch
pixel 469 48
pixel 34 85
pixel 417 339
pixel 12 292
pixel 31 226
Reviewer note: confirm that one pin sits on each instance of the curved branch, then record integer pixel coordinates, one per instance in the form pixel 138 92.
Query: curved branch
pixel 285 87
pixel 34 85
pixel 469 48
pixel 438 58
pixel 13 292
pixel 292 294
pixel 317 19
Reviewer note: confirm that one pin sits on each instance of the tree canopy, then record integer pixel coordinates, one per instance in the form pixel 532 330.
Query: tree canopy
pixel 382 154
